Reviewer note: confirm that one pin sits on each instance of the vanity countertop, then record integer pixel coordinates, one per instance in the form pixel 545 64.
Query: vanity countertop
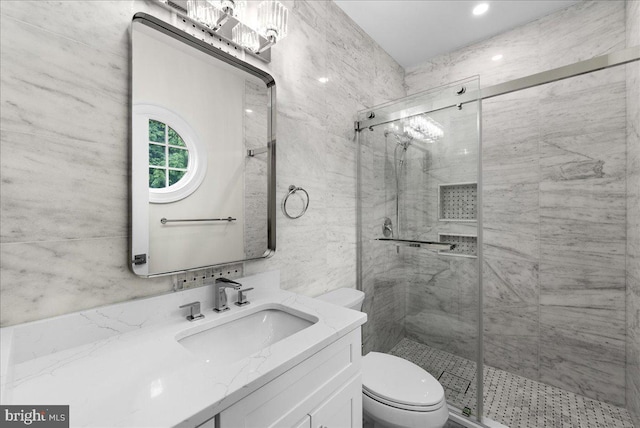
pixel 121 365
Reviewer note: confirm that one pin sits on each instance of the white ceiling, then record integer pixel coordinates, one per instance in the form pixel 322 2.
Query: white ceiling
pixel 412 31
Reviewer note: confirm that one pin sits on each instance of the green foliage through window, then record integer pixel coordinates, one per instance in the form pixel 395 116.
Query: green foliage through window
pixel 157 178
pixel 175 138
pixel 175 176
pixel 168 156
pixel 156 155
pixel 156 131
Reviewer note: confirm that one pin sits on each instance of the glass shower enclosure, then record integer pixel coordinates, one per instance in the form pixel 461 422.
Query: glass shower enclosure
pixel 420 235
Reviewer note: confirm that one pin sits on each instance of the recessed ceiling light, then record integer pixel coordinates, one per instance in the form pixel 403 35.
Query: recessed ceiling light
pixel 481 9
pixel 323 79
pixel 496 57
pixel 249 110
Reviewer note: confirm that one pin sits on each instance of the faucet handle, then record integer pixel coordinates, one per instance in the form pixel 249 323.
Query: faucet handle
pixel 195 311
pixel 242 298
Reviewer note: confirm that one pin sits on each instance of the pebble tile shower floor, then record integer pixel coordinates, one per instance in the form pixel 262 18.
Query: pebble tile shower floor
pixel 512 400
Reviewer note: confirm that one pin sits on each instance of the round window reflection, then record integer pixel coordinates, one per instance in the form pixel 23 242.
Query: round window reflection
pixel 168 156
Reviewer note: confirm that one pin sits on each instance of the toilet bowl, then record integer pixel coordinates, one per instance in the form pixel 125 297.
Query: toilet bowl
pixel 395 392
pixel 398 394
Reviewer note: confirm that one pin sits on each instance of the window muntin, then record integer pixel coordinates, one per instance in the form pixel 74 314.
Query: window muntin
pixel 168 156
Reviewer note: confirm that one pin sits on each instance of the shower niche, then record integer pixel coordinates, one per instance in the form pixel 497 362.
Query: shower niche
pixel 458 202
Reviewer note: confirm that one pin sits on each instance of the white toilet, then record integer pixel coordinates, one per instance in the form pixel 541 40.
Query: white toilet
pixel 395 392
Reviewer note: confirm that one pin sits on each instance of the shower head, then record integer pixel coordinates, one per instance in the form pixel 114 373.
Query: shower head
pixel 402 138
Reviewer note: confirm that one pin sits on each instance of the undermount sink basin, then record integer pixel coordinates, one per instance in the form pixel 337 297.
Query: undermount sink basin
pixel 244 336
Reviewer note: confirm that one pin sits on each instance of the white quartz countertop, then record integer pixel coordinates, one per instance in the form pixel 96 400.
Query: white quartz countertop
pixel 121 365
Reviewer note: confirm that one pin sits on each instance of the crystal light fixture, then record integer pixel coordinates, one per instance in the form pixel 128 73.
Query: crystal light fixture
pixel 272 20
pixel 205 12
pixel 232 7
pixel 255 27
pixel 246 37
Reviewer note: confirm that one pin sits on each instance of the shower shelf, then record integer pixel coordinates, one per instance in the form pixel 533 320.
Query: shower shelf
pixel 429 245
pixel 464 245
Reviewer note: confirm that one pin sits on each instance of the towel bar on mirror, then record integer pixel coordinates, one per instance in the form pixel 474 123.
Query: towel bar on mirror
pixel 165 220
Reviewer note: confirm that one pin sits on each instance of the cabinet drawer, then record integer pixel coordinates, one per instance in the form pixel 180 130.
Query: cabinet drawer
pixel 286 400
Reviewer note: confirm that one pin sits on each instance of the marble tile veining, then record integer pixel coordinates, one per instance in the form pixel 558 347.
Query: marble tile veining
pixel 88 204
pixel 586 30
pixel 70 95
pixel 101 25
pixel 44 279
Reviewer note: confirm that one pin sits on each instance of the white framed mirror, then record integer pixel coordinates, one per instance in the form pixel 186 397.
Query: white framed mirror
pixel 202 154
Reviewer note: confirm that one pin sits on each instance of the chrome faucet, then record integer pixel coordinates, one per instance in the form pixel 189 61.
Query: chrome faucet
pixel 219 294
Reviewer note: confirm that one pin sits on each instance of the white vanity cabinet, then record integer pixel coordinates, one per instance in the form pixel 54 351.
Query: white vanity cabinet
pixel 324 390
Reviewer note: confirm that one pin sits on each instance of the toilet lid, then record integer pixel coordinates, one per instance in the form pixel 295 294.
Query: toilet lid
pixel 399 381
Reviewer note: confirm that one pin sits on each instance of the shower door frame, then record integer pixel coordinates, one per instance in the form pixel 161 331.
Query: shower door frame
pixel 621 57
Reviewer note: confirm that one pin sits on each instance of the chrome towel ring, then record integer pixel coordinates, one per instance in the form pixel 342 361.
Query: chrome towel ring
pixel 292 190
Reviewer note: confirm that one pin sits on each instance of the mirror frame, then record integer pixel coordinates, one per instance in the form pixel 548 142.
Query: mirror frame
pixel 139 244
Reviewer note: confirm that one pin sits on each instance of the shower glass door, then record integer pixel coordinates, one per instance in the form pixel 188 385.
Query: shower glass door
pixel 420 232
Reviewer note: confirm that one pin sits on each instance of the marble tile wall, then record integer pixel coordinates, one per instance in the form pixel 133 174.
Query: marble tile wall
pixel 554 200
pixel 64 94
pixel 633 216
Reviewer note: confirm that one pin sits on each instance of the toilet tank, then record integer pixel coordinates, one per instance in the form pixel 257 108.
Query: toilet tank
pixel 347 297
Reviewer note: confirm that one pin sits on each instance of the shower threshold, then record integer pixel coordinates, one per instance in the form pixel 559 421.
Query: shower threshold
pixel 511 400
